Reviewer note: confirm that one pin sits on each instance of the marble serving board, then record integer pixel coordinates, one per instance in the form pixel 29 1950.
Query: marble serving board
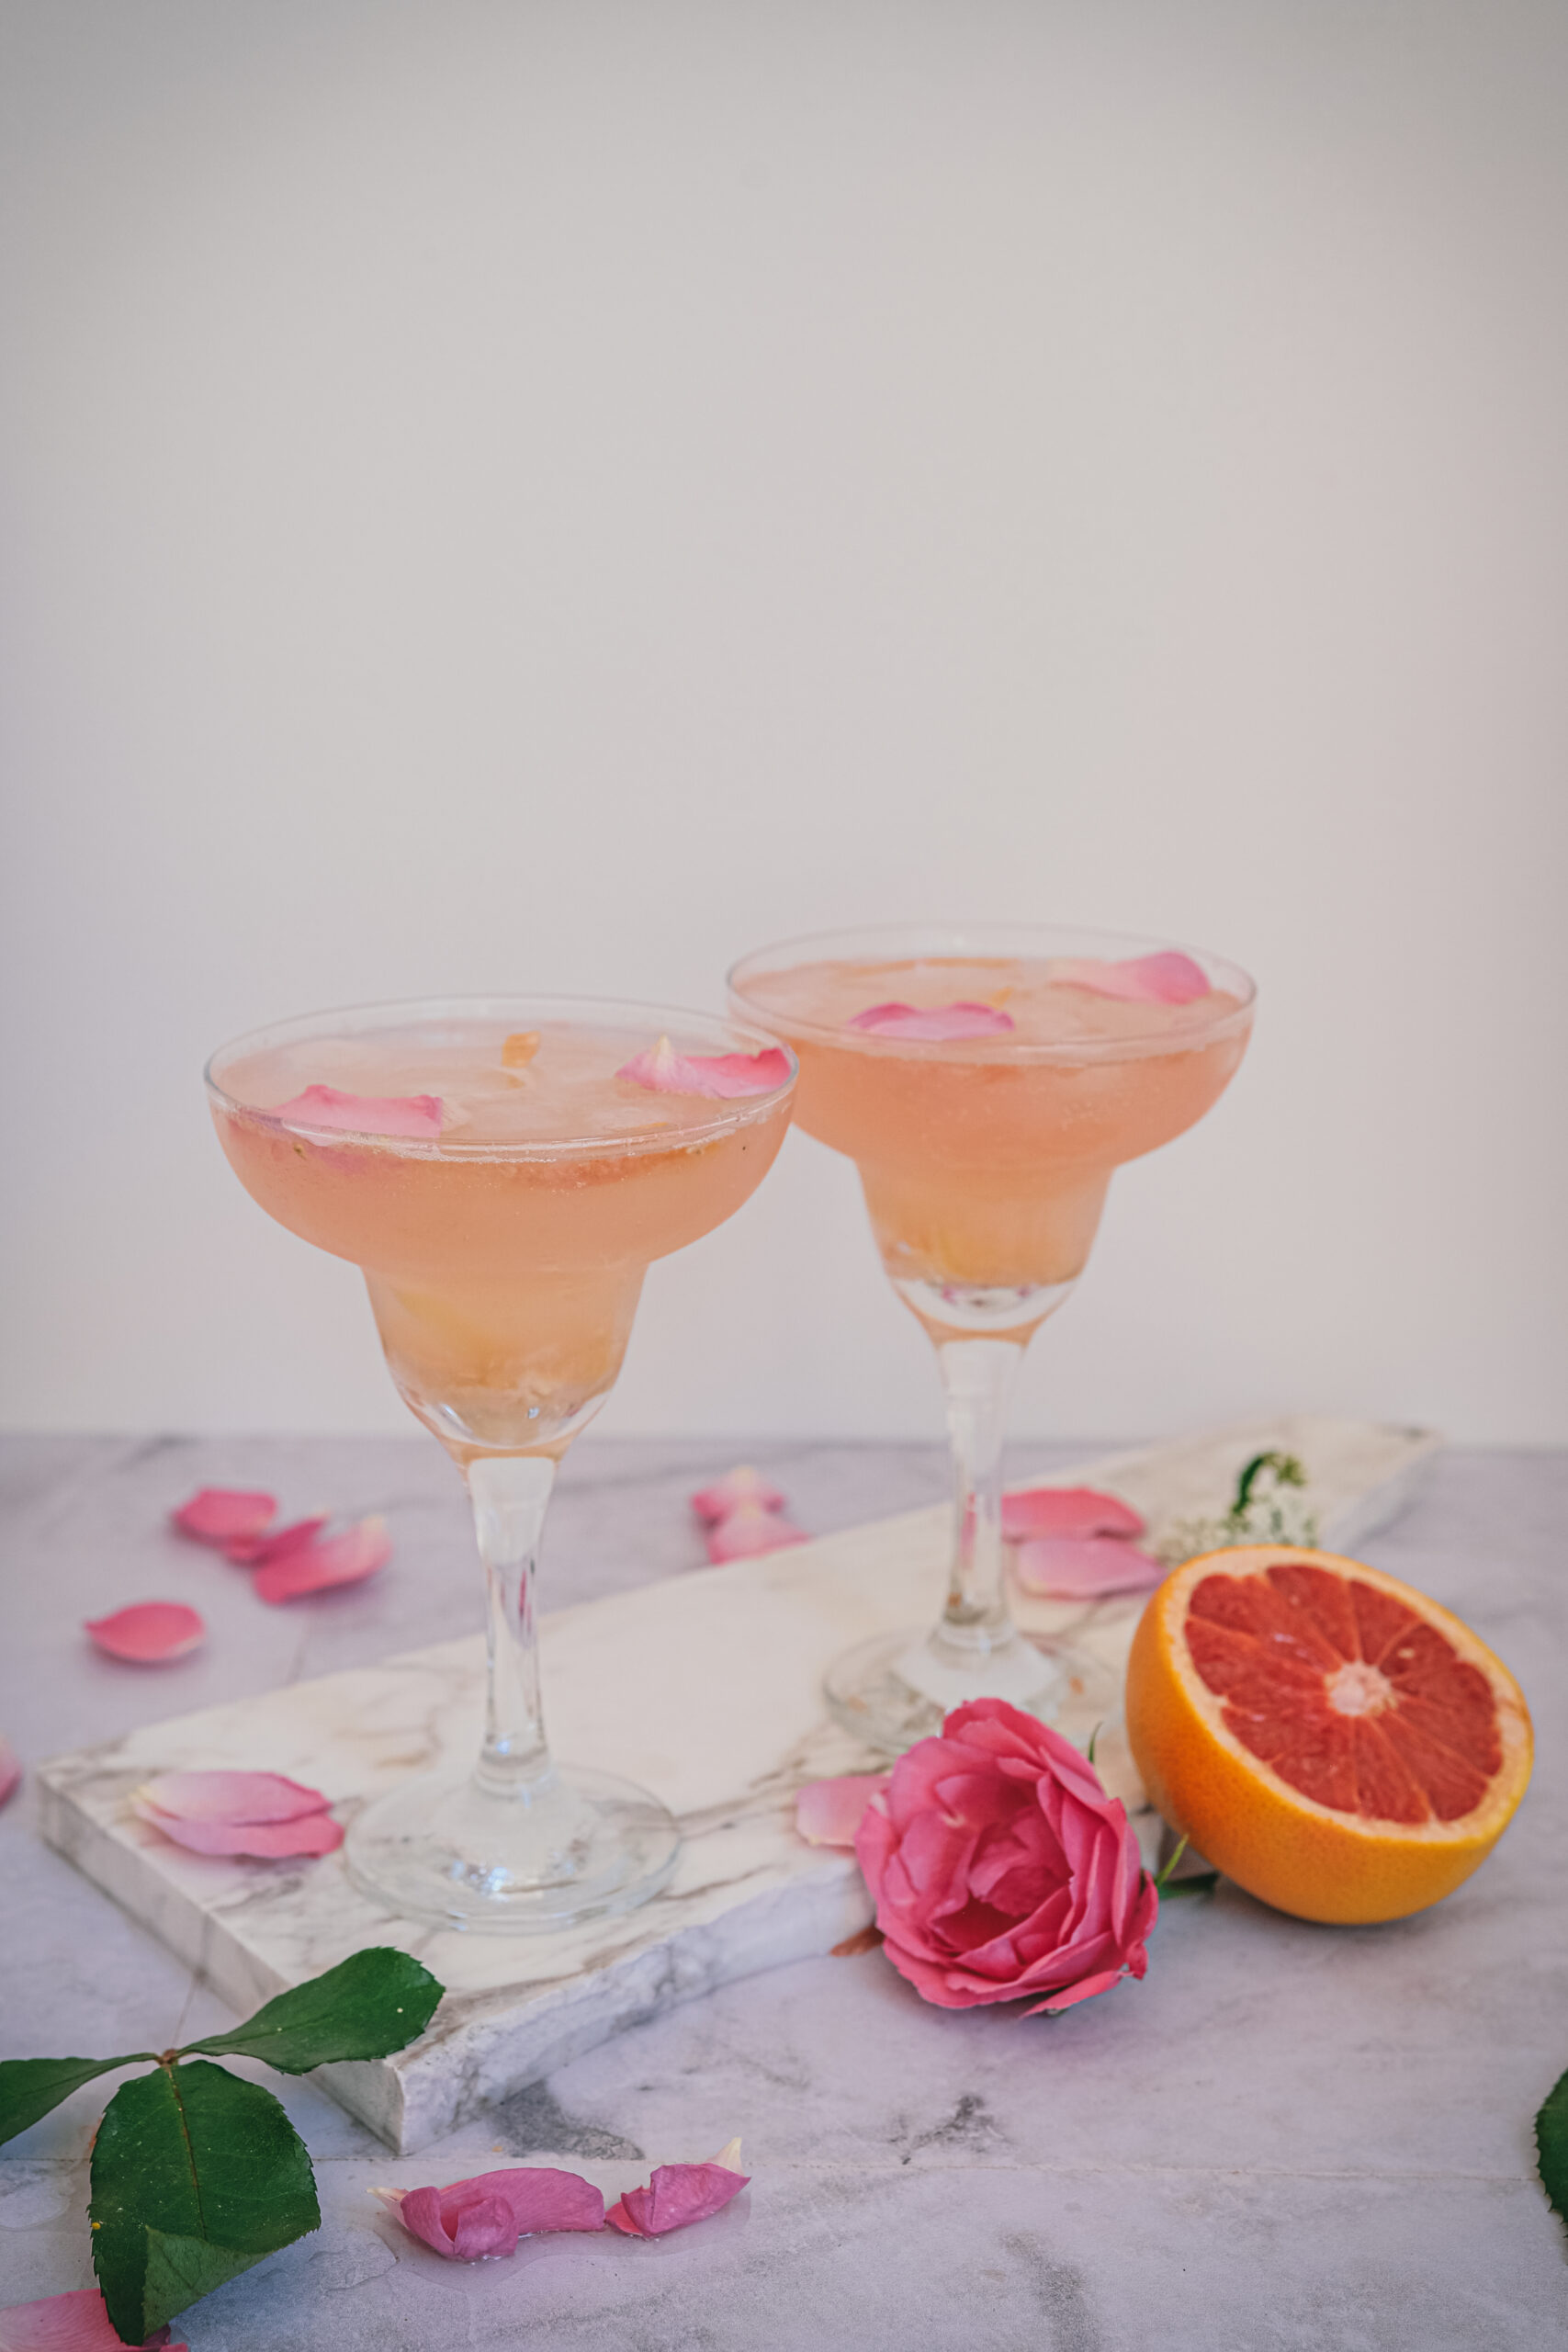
pixel 703 1687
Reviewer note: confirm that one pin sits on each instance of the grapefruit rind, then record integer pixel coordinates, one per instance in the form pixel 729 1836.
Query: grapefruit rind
pixel 1285 1846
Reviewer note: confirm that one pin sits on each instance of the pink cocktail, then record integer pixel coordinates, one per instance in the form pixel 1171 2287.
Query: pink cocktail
pixel 988 1082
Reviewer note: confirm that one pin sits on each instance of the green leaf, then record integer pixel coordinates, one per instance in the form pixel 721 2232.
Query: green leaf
pixel 30 2087
pixel 195 2176
pixel 373 2003
pixel 1552 2145
pixel 1195 1882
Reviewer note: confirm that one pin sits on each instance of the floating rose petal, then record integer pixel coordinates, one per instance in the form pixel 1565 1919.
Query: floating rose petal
pixel 223 1515
pixel 252 1551
pixel 1066 1510
pixel 365 1115
pixel 267 1841
pixel 149 1632
pixel 679 2194
pixel 933 1024
pixel 315 1568
pixel 827 1813
pixel 1083 1568
pixel 74 2323
pixel 666 1072
pixel 487 2214
pixel 749 1531
pixel 231 1796
pixel 737 1488
pixel 10 1769
pixel 1166 979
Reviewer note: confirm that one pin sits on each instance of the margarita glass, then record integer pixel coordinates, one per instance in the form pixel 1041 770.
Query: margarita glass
pixel 504 1171
pixel 987 1080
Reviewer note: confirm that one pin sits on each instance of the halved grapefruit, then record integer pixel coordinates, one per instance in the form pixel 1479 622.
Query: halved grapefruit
pixel 1329 1738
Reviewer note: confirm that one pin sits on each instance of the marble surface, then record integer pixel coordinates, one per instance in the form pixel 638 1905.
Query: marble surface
pixel 1287 2136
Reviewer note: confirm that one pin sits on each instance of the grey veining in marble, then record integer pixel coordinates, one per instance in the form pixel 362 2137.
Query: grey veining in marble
pixel 1287 2137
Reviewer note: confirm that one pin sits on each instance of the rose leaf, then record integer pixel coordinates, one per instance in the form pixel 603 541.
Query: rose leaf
pixel 1552 2145
pixel 371 2004
pixel 30 2087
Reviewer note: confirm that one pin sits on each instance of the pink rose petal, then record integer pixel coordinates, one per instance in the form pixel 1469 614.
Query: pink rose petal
pixel 487 2214
pixel 313 1833
pixel 935 1023
pixel 149 1632
pixel 252 1550
pixel 74 2323
pixel 1168 977
pixel 231 1796
pixel 10 1769
pixel 749 1531
pixel 827 1813
pixel 726 1495
pixel 364 1114
pixel 223 1515
pixel 665 1071
pixel 315 1567
pixel 676 2196
pixel 1083 1568
pixel 1066 1510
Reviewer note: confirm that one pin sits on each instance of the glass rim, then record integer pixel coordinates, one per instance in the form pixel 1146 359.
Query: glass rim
pixel 985 936
pixel 729 1112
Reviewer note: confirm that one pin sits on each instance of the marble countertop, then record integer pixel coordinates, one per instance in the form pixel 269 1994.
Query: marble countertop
pixel 1286 2137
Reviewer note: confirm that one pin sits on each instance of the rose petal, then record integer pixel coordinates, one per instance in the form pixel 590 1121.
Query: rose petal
pixel 665 1071
pixel 315 1567
pixel 231 1796
pixel 676 2196
pixel 223 1514
pixel 934 1024
pixel 10 1769
pixel 251 1551
pixel 827 1813
pixel 77 2322
pixel 1066 1510
pixel 364 1114
pixel 1082 1568
pixel 487 2214
pixel 749 1531
pixel 1168 977
pixel 149 1632
pixel 726 1495
pixel 313 1833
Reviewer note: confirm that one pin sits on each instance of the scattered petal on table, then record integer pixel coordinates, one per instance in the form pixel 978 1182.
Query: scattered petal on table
pixel 223 1515
pixel 10 1769
pixel 664 1071
pixel 487 2214
pixel 749 1531
pixel 253 1551
pixel 827 1813
pixel 1066 1510
pixel 364 1114
pixel 934 1025
pixel 1067 1568
pixel 74 2322
pixel 149 1632
pixel 1170 978
pixel 269 1841
pixel 726 1495
pixel 315 1567
pixel 231 1796
pixel 677 2195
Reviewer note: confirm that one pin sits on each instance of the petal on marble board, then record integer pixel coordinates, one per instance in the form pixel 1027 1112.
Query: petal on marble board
pixel 223 1514
pixel 827 1813
pixel 148 1633
pixel 10 1769
pixel 77 2322
pixel 253 1551
pixel 722 1498
pixel 1084 1567
pixel 1066 1510
pixel 269 1841
pixel 231 1796
pixel 316 1567
pixel 751 1531
pixel 676 2196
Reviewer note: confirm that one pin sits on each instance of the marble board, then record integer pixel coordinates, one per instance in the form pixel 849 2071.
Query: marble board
pixel 706 1688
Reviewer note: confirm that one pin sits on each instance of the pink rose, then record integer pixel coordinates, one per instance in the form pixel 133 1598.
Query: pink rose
pixel 1000 1866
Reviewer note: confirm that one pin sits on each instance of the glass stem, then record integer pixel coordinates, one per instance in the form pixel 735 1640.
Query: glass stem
pixel 509 1493
pixel 977 1376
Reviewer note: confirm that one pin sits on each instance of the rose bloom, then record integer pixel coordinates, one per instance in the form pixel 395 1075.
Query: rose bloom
pixel 1001 1869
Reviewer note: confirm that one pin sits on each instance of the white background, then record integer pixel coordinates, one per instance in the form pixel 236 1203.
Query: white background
pixel 517 496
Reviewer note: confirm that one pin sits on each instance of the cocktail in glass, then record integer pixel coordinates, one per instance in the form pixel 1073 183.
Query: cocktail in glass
pixel 987 1082
pixel 505 1171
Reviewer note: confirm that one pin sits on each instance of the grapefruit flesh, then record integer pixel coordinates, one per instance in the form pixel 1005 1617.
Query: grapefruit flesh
pixel 1328 1737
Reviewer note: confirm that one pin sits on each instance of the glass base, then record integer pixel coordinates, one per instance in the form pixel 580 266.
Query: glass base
pixel 896 1687
pixel 576 1846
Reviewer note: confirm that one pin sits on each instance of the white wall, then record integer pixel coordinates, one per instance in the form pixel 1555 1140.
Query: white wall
pixel 507 495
